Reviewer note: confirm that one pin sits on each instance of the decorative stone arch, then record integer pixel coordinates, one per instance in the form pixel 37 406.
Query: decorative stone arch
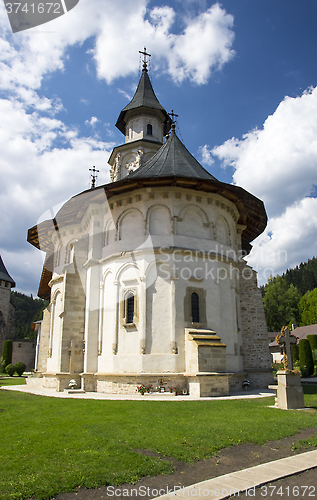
pixel 128 159
pixel 156 207
pixel 224 239
pixel 105 275
pixel 122 216
pixel 157 264
pixel 199 228
pixel 56 292
pixel 196 209
pixel 107 231
pixel 68 251
pixel 124 267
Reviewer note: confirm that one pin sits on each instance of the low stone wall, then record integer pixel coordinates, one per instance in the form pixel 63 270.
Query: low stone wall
pixel 235 382
pixel 199 385
pixel 123 384
pixel 60 381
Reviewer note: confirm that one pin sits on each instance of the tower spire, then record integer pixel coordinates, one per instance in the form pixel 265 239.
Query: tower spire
pixel 145 54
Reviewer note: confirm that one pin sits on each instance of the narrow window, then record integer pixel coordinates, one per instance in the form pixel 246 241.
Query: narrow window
pixel 130 308
pixel 149 129
pixel 195 307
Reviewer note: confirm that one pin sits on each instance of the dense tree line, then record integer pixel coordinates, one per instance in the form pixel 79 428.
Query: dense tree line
pixel 292 297
pixel 303 277
pixel 27 310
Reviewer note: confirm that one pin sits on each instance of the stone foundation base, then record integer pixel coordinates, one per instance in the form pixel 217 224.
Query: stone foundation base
pixel 208 385
pixel 128 384
pixel 259 379
pixel 235 382
pixel 202 384
pixel 58 381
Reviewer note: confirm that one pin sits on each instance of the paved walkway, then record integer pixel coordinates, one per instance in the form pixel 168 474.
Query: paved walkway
pixel 41 391
pixel 246 480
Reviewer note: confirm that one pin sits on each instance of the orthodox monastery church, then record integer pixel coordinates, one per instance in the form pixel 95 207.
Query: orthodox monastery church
pixel 145 275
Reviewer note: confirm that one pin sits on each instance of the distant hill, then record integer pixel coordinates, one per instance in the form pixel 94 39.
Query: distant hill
pixel 27 310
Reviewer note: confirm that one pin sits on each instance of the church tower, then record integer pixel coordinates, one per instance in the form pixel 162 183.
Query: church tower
pixel 6 308
pixel 144 122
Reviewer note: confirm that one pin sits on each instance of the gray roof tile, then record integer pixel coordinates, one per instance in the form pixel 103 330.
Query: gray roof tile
pixel 172 159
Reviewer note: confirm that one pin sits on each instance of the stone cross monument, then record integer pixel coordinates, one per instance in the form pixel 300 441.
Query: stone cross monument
pixel 289 389
pixel 285 339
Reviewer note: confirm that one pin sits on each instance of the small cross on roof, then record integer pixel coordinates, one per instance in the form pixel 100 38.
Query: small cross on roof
pixel 93 176
pixel 145 54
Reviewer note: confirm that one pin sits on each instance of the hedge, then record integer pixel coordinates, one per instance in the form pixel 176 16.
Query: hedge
pixel 306 362
pixel 6 353
pixel 312 338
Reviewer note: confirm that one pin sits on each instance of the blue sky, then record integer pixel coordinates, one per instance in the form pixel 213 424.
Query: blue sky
pixel 240 74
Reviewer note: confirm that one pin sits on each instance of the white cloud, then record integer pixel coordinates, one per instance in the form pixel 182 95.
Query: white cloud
pixel 204 46
pixel 288 240
pixel 120 29
pixel 35 174
pixel 92 122
pixel 126 95
pixel 206 155
pixel 278 162
pixel 278 165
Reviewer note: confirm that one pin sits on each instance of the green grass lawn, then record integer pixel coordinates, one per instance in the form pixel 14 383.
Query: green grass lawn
pixel 12 381
pixel 51 445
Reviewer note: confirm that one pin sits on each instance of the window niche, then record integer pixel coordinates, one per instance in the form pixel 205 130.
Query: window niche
pixel 149 129
pixel 129 309
pixel 195 307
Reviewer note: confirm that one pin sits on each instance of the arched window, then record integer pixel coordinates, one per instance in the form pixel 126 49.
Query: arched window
pixel 130 308
pixel 195 307
pixel 149 129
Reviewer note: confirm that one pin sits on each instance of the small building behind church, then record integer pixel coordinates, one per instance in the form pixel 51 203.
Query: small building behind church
pixel 145 275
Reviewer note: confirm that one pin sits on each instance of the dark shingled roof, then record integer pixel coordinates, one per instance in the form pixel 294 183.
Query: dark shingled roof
pixel 4 275
pixel 172 159
pixel 144 97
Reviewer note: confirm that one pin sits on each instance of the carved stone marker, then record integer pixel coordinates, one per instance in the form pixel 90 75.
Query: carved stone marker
pixel 289 390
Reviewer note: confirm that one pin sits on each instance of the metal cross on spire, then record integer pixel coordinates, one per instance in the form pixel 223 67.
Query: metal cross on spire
pixel 93 176
pixel 173 115
pixel 145 54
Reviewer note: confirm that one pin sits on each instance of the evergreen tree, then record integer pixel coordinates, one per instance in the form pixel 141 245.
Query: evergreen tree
pixel 6 358
pixel 306 362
